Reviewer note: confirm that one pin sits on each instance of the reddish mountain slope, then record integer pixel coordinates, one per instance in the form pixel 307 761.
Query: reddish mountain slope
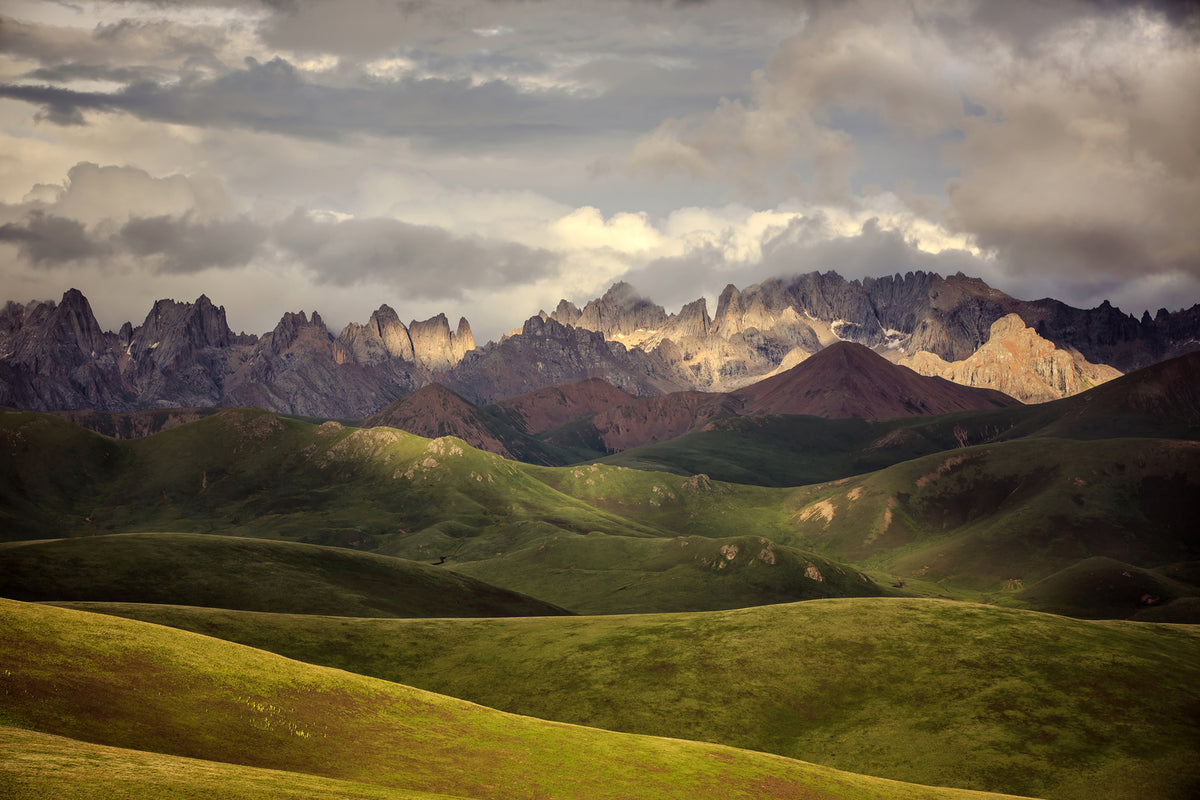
pixel 646 420
pixel 434 411
pixel 850 380
pixel 555 406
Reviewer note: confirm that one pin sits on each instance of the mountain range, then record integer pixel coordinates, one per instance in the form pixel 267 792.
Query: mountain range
pixel 54 356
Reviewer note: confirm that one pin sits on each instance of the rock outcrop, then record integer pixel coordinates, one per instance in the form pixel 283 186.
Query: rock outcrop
pixel 1018 362
pixel 547 353
pixel 384 337
pixel 435 347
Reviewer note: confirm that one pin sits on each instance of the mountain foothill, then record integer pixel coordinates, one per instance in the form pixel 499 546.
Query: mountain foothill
pixel 901 537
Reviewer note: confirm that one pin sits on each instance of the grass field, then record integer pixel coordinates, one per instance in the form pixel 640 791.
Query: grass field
pixel 933 692
pixel 117 683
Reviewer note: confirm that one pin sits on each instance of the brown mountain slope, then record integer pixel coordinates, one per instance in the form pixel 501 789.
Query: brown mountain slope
pixel 850 380
pixel 433 411
pixel 555 406
pixel 646 420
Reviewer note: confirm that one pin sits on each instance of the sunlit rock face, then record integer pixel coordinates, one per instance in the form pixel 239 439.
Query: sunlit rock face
pixel 1018 362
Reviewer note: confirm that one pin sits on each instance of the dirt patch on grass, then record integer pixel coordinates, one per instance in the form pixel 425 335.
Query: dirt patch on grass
pixel 824 510
pixel 945 468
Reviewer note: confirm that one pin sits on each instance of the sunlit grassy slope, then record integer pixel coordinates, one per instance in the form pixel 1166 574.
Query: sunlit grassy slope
pixel 39 766
pixel 126 684
pixel 928 691
pixel 249 574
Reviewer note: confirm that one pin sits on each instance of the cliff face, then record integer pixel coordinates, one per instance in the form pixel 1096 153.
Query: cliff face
pixel 56 357
pixel 1018 362
pixel 384 337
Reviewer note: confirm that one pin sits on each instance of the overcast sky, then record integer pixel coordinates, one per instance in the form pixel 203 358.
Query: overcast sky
pixel 485 158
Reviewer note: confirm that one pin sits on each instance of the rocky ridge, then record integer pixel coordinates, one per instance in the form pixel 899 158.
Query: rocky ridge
pixel 775 324
pixel 1017 361
pixel 56 357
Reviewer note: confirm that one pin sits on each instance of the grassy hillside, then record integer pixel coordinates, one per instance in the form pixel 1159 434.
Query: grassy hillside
pixel 1104 588
pixel 255 474
pixel 258 474
pixel 927 691
pixel 248 574
pixel 599 574
pixel 124 684
pixel 1004 516
pixel 987 519
pixel 37 766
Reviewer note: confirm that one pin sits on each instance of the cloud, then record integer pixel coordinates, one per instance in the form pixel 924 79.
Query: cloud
pixel 277 97
pixel 1067 146
pixel 93 193
pixel 122 215
pixel 184 244
pixel 49 240
pixel 1087 163
pixel 423 261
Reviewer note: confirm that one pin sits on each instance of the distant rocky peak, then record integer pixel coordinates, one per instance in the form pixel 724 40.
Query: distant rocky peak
pixel 295 324
pixel 435 347
pixel 77 324
pixel 567 313
pixel 693 319
pixel 463 340
pixel 199 324
pixel 393 336
pixel 621 311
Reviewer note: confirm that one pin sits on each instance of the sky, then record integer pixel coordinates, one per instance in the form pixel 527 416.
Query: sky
pixel 486 158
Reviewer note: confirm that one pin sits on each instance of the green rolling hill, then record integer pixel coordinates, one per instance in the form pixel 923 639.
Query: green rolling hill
pixel 158 692
pixel 249 574
pixel 933 692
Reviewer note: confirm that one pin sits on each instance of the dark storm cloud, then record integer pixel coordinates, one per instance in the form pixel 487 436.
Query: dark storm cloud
pixel 66 73
pixel 427 262
pixel 49 240
pixel 182 245
pixel 276 97
pixel 161 244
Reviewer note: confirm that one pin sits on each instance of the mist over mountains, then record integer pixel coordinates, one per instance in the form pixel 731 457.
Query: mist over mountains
pixel 56 357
